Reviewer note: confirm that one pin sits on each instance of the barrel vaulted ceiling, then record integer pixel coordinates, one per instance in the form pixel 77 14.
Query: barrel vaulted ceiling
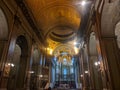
pixel 59 21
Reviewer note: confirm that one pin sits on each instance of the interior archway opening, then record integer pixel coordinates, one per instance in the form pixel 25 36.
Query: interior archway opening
pixel 95 63
pixel 17 64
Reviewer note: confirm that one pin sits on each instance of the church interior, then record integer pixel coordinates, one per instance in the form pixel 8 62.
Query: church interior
pixel 59 44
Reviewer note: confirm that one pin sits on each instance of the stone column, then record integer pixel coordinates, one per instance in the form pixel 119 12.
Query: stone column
pixel 92 85
pixel 29 67
pixel 20 81
pixel 50 73
pixel 55 73
pixel 78 78
pixel 110 53
pixel 84 68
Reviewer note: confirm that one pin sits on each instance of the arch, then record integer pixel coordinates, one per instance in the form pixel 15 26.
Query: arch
pixel 23 44
pixel 14 63
pixel 94 62
pixel 3 26
pixel 18 63
pixel 65 48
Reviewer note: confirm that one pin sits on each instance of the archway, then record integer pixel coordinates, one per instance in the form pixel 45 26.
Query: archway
pixel 65 67
pixel 94 63
pixel 17 64
pixel 13 64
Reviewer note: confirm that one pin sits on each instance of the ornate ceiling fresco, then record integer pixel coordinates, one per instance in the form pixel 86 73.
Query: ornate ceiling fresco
pixel 58 20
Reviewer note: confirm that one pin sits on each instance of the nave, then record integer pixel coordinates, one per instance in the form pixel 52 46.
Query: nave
pixel 61 44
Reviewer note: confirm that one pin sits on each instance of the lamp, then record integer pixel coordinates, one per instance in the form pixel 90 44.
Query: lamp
pixel 97 63
pixel 86 72
pixel 83 3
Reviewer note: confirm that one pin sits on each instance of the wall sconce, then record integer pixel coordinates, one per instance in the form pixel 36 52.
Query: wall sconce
pixel 86 72
pixel 97 63
pixel 81 75
pixel 83 3
pixel 11 64
pixel 31 72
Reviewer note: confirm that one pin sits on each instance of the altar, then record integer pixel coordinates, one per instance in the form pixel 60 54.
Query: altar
pixel 64 86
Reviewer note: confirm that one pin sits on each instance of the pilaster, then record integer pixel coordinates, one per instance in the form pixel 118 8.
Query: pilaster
pixel 112 61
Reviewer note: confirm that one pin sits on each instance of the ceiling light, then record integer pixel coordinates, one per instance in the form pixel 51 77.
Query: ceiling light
pixel 83 3
pixel 75 43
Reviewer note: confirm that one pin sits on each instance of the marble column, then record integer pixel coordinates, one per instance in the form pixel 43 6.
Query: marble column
pixel 83 65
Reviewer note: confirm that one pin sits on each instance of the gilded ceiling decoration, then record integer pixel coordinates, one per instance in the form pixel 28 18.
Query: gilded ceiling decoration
pixel 58 20
pixel 64 49
pixel 65 59
pixel 50 14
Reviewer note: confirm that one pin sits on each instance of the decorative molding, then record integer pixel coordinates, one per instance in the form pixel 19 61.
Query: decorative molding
pixel 26 13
